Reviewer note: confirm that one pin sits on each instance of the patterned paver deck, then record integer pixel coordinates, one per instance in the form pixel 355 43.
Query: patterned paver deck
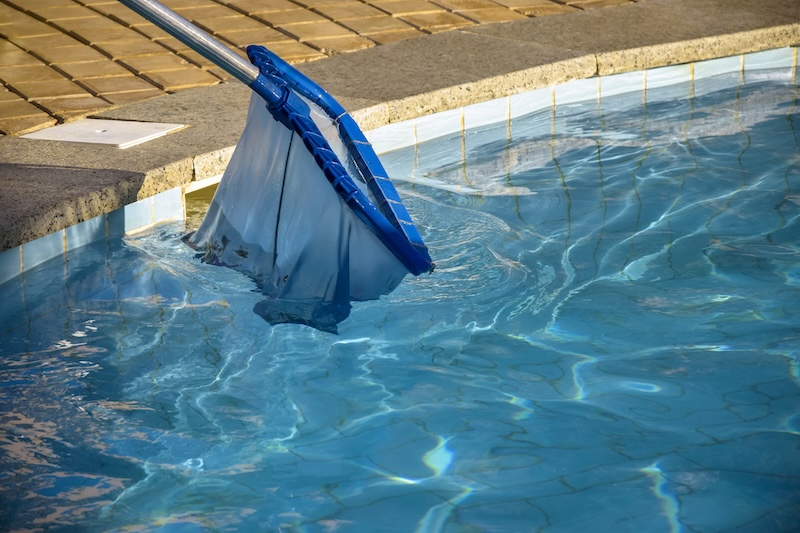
pixel 65 59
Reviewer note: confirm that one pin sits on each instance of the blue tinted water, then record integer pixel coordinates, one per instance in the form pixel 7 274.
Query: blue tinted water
pixel 610 342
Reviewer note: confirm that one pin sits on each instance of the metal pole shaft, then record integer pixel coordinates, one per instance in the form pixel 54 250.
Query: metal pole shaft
pixel 195 38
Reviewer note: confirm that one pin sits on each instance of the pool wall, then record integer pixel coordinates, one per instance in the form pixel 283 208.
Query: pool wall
pixel 687 80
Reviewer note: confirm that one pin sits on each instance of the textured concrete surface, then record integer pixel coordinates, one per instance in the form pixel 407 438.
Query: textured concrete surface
pixel 45 186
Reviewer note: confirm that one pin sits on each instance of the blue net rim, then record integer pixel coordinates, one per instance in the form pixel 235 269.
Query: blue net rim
pixel 390 221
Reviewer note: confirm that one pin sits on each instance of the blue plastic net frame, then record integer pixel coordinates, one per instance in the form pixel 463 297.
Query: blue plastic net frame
pixel 390 221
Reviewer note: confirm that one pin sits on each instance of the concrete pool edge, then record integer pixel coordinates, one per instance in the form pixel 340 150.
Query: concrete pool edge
pixel 202 150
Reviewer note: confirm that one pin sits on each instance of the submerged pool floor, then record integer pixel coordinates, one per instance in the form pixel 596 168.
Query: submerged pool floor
pixel 610 342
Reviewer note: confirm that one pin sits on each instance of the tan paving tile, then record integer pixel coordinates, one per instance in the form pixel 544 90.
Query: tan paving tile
pixel 126 49
pixel 40 90
pixel 94 69
pixel 76 53
pixel 263 35
pixel 93 25
pixel 24 73
pixel 156 63
pixel 255 7
pixel 528 3
pixel 9 15
pixel 340 45
pixel 374 25
pixel 349 10
pixel 198 59
pixel 294 52
pixel 460 5
pixel 107 86
pixel 210 11
pixel 406 7
pixel 295 16
pixel 66 108
pixel 318 3
pixel 591 4
pixel 122 14
pixel 491 15
pixel 174 80
pixel 394 36
pixel 316 30
pixel 133 96
pixel 60 12
pixel 177 5
pixel 43 42
pixel 437 22
pixel 27 28
pixel 545 11
pixel 8 96
pixel 21 126
pixel 11 56
pixel 18 108
pixel 240 23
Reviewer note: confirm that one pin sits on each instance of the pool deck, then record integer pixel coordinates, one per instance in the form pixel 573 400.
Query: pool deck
pixel 385 60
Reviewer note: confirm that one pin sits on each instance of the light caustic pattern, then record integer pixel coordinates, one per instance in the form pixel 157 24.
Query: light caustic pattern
pixel 616 352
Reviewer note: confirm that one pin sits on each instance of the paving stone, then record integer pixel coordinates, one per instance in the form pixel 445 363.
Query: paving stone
pixel 27 28
pixel 492 14
pixel 173 80
pixel 545 11
pixel 93 24
pixel 340 45
pixel 460 5
pixel 295 16
pixel 156 63
pixel 134 96
pixel 126 49
pixel 375 25
pixel 294 52
pixel 316 30
pixel 122 14
pixel 61 12
pixel 18 108
pixel 240 23
pixel 386 37
pixel 590 4
pixel 528 3
pixel 23 73
pixel 93 69
pixel 263 35
pixel 317 3
pixel 207 12
pixel 73 107
pixel 38 90
pixel 11 56
pixel 76 53
pixel 123 84
pixel 436 22
pixel 349 10
pixel 9 96
pixel 406 7
pixel 41 44
pixel 255 7
pixel 21 126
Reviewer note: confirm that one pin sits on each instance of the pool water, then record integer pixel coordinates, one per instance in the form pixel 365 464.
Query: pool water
pixel 610 342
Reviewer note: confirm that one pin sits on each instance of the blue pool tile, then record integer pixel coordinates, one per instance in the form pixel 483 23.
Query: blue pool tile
pixel 86 232
pixel 715 67
pixel 43 249
pixel 168 205
pixel 577 91
pixel 530 102
pixel 115 221
pixel 138 215
pixel 392 136
pixel 439 125
pixel 778 58
pixel 9 264
pixel 629 82
pixel 720 82
pixel 486 113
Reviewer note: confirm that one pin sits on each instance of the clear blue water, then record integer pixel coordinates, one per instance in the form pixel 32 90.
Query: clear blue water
pixel 619 351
